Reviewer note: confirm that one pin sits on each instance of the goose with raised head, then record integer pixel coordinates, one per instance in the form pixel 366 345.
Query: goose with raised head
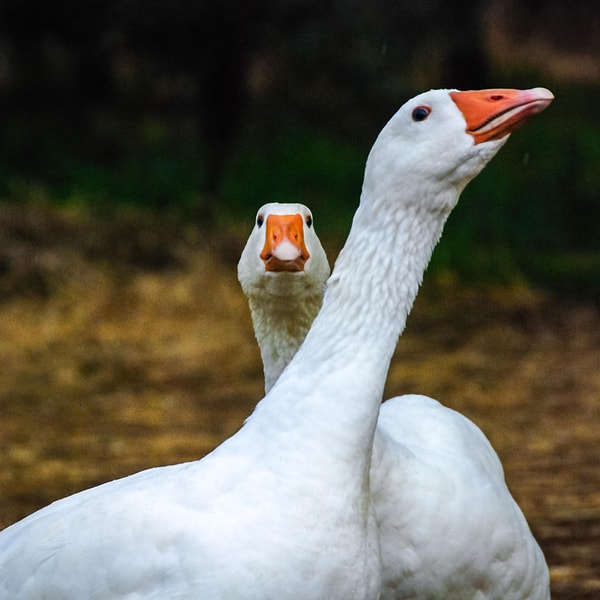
pixel 281 509
pixel 448 525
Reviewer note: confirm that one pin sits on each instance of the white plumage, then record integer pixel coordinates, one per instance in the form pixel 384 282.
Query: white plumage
pixel 281 509
pixel 449 528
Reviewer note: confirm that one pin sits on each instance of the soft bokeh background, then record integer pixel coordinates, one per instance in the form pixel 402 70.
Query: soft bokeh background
pixel 206 109
pixel 138 138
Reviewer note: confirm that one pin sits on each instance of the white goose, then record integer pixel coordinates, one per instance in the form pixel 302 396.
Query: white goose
pixel 282 508
pixel 448 526
pixel 284 280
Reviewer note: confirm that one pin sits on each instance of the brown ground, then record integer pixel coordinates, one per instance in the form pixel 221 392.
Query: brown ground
pixel 108 369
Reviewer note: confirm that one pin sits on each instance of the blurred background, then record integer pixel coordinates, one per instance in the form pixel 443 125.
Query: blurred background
pixel 139 137
pixel 208 109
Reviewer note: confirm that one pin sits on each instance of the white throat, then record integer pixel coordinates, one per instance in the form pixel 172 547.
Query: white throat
pixel 283 309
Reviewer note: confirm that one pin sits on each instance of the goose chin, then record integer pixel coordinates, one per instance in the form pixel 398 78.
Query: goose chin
pixel 276 265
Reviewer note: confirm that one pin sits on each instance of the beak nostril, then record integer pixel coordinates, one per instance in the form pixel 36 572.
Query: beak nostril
pixel 496 97
pixel 284 247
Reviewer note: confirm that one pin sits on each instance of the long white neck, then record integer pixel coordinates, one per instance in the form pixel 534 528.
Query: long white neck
pixel 282 317
pixel 331 390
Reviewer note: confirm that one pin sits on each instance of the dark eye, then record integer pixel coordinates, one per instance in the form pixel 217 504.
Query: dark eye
pixel 308 221
pixel 259 221
pixel 420 113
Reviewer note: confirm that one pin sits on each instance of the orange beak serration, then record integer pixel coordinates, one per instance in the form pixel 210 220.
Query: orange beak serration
pixel 284 248
pixel 494 113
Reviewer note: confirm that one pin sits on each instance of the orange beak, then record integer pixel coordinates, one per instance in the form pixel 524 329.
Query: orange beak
pixel 284 248
pixel 493 114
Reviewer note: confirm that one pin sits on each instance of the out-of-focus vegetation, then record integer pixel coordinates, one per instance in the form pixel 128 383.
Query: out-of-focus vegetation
pixel 205 110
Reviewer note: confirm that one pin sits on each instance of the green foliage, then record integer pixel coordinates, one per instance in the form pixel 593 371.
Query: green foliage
pixel 106 163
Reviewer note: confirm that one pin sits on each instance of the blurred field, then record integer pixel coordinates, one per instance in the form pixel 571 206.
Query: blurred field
pixel 128 344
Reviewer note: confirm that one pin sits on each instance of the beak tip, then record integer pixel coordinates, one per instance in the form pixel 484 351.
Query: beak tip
pixel 543 93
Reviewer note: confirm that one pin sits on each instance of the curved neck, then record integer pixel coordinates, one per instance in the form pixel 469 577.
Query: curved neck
pixel 328 397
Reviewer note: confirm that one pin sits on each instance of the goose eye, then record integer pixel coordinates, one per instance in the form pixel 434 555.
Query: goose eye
pixel 259 221
pixel 309 221
pixel 420 113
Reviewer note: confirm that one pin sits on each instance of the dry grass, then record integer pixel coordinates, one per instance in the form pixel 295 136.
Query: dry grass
pixel 111 368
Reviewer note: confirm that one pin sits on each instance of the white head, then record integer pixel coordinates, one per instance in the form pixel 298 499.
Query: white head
pixel 441 139
pixel 283 253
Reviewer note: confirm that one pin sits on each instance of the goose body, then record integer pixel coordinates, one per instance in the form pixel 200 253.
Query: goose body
pixel 448 525
pixel 281 509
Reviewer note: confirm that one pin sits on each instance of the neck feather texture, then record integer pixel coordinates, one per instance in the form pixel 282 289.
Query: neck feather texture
pixel 333 387
pixel 282 320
